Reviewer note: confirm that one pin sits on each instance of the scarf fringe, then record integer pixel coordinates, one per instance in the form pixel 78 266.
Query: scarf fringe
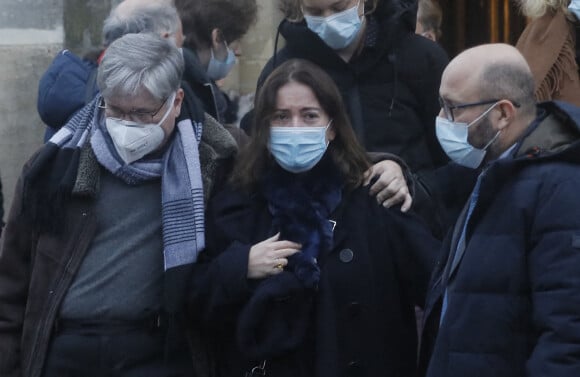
pixel 559 72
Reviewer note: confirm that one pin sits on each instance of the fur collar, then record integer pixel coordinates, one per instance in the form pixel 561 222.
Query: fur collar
pixel 300 205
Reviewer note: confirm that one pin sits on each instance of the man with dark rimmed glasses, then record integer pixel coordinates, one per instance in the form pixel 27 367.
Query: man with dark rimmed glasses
pixel 504 298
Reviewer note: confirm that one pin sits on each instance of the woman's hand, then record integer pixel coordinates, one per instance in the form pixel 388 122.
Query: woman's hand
pixel 270 256
pixel 390 188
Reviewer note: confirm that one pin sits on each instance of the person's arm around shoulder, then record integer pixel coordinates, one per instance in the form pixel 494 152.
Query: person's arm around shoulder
pixel 391 181
pixel 553 271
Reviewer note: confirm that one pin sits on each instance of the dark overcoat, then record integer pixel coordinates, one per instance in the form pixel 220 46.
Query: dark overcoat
pixel 513 291
pixel 360 320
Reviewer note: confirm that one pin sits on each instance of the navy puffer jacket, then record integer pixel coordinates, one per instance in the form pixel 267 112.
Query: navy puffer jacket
pixel 513 292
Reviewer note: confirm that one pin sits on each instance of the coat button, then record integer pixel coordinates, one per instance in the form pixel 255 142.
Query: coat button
pixel 354 309
pixel 346 255
pixel 354 368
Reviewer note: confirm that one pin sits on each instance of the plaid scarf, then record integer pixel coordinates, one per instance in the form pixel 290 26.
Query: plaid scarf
pixel 52 179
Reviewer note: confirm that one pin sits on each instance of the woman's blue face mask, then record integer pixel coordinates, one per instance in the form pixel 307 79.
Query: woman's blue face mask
pixel 298 149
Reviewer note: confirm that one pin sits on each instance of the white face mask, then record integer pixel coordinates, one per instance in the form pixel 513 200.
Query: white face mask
pixel 453 139
pixel 339 30
pixel 298 149
pixel 217 69
pixel 134 140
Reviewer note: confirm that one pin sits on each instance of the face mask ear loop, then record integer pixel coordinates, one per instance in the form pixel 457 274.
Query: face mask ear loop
pixel 325 130
pixel 170 100
pixel 482 115
pixel 491 141
pixel 328 125
pixel 227 51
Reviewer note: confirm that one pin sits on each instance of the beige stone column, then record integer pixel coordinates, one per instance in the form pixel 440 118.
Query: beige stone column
pixel 257 48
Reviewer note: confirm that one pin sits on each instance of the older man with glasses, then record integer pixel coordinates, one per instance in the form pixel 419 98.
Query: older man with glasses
pixel 107 221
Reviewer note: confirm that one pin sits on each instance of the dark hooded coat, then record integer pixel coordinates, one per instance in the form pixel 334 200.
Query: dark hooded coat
pixel 513 290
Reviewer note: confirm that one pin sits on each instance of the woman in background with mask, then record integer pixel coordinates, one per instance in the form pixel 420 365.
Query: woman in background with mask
pixel 304 274
pixel 212 30
pixel 388 76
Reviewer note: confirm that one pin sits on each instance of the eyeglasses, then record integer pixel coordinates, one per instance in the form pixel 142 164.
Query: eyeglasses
pixel 448 109
pixel 137 116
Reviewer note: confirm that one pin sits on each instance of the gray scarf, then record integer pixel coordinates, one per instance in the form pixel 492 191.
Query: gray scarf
pixel 180 173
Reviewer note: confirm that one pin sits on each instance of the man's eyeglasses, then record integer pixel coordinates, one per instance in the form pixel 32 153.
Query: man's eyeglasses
pixel 448 109
pixel 138 116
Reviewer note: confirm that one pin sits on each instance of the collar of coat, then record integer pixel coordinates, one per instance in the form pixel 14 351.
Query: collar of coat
pixel 554 134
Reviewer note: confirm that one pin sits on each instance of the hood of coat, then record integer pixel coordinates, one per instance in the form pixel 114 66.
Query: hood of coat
pixel 395 19
pixel 557 135
pixel 554 138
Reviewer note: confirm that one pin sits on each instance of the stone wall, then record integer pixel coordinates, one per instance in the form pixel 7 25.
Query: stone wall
pixel 33 31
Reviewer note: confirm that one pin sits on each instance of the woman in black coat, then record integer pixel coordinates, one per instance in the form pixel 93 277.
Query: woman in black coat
pixel 304 273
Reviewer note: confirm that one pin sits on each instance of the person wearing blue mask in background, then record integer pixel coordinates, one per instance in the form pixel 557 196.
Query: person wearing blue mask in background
pixel 304 273
pixel 213 29
pixel 387 75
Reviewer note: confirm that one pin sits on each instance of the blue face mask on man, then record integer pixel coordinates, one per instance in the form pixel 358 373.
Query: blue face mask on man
pixel 219 69
pixel 453 139
pixel 339 30
pixel 298 149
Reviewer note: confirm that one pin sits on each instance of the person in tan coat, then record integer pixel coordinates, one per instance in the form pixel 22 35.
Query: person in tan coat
pixel 548 44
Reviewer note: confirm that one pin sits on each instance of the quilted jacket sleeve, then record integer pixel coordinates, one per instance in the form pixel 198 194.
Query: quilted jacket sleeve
pixel 554 274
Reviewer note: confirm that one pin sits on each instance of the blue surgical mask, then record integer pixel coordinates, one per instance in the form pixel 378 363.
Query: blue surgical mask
pixel 217 69
pixel 453 139
pixel 339 30
pixel 298 149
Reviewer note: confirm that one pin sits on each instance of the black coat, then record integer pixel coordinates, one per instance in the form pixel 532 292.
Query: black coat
pixel 360 321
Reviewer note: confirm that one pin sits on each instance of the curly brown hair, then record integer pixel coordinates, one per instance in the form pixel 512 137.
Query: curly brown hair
pixel 199 17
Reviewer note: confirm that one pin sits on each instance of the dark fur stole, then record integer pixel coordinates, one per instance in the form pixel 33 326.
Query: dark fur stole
pixel 300 205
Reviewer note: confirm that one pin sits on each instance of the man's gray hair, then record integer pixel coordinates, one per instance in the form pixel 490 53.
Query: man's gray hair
pixel 511 81
pixel 137 61
pixel 154 17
